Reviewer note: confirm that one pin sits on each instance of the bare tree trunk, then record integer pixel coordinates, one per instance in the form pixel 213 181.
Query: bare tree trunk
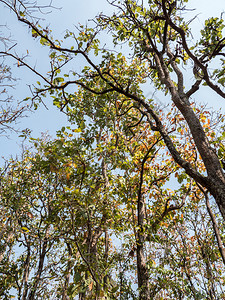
pixel 106 256
pixel 143 284
pixel 143 281
pixel 42 254
pixel 68 271
pixel 26 272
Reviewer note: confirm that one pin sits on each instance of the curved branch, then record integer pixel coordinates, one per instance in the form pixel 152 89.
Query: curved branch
pixel 198 63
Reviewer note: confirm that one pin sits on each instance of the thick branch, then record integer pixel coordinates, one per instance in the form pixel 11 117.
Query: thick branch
pixel 198 63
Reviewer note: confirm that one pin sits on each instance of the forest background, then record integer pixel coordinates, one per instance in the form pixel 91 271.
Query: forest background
pixel 126 200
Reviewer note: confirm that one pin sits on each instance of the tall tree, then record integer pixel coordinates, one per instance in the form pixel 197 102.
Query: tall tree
pixel 158 38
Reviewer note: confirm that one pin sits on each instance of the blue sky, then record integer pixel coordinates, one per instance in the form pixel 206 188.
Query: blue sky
pixel 72 13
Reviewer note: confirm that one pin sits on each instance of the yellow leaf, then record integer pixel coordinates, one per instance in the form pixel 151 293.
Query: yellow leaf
pixel 25 229
pixel 91 286
pixel 77 130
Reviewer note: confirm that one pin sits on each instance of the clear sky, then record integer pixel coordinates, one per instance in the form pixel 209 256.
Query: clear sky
pixel 72 13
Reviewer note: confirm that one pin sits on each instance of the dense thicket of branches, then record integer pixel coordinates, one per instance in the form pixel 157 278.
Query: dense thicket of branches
pixel 128 188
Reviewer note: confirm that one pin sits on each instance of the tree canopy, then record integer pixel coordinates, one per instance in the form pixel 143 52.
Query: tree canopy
pixel 128 202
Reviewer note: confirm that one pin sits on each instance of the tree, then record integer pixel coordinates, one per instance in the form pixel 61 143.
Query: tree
pixel 11 110
pixel 64 206
pixel 158 37
pixel 130 133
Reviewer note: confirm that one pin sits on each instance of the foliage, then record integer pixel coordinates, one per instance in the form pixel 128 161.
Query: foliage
pixel 117 206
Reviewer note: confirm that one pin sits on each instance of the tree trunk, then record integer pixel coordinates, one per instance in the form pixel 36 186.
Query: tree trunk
pixel 143 281
pixel 143 284
pixel 215 181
